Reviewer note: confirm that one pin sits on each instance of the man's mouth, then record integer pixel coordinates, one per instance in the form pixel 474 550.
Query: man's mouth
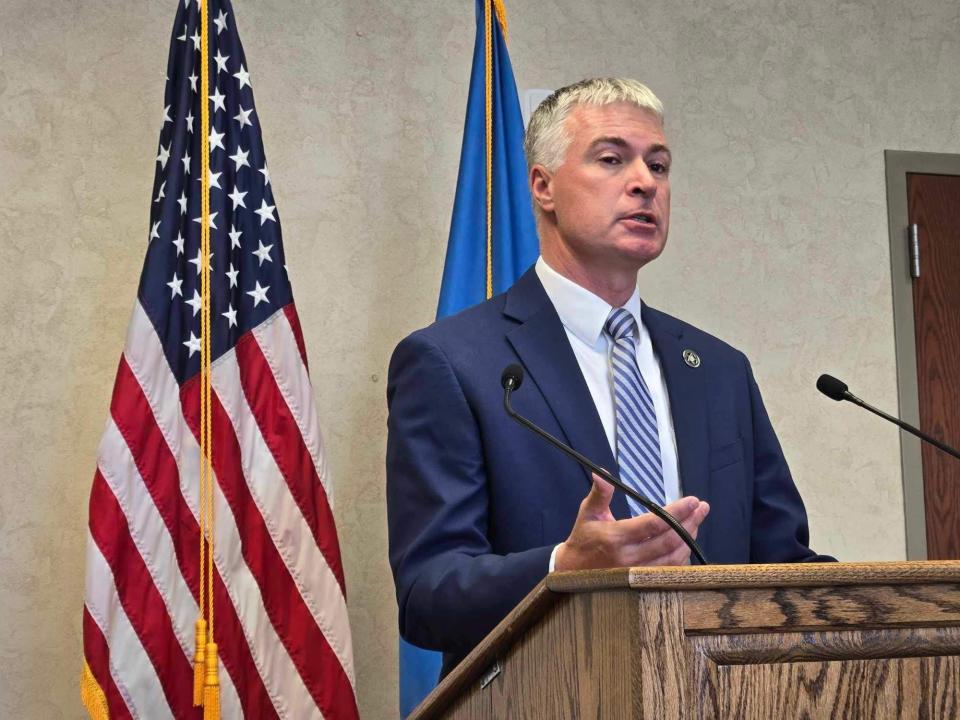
pixel 642 217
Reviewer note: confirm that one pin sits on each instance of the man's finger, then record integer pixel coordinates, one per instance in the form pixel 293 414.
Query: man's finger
pixel 680 556
pixel 649 525
pixel 656 549
pixel 597 502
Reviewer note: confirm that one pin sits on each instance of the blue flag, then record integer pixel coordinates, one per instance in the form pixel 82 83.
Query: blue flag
pixel 513 243
pixel 483 257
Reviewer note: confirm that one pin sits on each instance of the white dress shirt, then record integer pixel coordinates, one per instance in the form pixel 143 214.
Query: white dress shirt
pixel 583 315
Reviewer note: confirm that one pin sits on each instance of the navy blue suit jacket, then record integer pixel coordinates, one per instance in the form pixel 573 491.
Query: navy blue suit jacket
pixel 476 503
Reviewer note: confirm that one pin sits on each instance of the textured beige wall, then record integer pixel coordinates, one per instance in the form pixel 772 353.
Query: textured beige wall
pixel 778 113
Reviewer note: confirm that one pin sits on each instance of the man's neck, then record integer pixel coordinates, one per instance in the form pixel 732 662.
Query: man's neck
pixel 614 286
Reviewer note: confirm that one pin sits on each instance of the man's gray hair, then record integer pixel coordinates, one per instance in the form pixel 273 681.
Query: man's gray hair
pixel 547 139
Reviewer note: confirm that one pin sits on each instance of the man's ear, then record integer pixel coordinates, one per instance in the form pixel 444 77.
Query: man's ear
pixel 541 187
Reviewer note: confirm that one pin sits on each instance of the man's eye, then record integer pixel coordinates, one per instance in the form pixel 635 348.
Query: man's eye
pixel 610 159
pixel 660 168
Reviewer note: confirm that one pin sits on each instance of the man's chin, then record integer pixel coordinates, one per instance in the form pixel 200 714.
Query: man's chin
pixel 640 254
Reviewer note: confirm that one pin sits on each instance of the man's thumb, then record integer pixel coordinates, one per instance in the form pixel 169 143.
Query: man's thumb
pixel 598 499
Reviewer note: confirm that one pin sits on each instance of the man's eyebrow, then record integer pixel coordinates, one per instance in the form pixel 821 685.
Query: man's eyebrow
pixel 659 148
pixel 609 140
pixel 618 141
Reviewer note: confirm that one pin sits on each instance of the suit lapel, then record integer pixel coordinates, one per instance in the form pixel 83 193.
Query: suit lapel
pixel 686 387
pixel 541 343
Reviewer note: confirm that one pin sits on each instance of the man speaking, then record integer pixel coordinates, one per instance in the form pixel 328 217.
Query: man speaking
pixel 480 509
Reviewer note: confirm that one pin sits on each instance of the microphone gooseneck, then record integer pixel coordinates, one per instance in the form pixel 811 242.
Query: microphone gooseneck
pixel 837 390
pixel 510 380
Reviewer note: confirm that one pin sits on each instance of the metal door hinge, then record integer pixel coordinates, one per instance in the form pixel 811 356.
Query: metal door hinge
pixel 490 674
pixel 914 234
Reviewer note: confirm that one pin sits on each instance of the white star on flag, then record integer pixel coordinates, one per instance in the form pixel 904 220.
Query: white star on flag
pixel 221 22
pixel 263 252
pixel 221 62
pixel 217 100
pixel 237 197
pixel 244 117
pixel 163 156
pixel 195 303
pixel 216 139
pixel 196 260
pixel 193 344
pixel 232 275
pixel 266 174
pixel 258 294
pixel 230 315
pixel 212 223
pixel 240 158
pixel 243 76
pixel 234 236
pixel 265 212
pixel 155 231
pixel 174 286
pixel 178 243
pixel 160 195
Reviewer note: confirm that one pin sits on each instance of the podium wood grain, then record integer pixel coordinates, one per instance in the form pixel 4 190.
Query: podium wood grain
pixel 854 640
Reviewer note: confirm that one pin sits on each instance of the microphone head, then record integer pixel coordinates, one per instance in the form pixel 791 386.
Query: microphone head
pixel 512 377
pixel 832 387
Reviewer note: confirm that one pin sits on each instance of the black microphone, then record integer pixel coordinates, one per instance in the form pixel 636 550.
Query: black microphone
pixel 837 390
pixel 511 379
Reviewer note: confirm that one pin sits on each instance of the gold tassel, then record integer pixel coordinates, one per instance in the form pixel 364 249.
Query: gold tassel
pixel 211 691
pixel 92 695
pixel 501 13
pixel 199 662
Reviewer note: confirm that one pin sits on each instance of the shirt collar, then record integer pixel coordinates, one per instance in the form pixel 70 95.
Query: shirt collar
pixel 581 312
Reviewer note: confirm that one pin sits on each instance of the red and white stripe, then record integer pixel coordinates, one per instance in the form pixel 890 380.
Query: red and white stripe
pixel 280 608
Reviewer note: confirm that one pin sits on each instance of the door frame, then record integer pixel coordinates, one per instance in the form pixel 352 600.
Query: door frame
pixel 898 164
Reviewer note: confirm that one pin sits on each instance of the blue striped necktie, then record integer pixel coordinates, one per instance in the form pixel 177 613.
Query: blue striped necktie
pixel 638 443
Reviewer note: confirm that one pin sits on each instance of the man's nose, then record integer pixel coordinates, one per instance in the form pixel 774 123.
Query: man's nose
pixel 641 181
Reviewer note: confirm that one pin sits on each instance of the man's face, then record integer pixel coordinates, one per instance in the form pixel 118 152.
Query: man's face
pixel 609 202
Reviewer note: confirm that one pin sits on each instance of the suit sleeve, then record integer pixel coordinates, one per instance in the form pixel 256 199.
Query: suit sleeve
pixel 779 531
pixel 451 588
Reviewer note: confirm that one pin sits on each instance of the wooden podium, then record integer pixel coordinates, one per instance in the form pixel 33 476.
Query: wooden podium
pixel 837 640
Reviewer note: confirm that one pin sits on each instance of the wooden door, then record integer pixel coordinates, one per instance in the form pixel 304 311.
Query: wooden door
pixel 933 204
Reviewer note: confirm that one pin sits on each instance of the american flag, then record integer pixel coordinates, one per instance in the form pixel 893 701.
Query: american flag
pixel 281 616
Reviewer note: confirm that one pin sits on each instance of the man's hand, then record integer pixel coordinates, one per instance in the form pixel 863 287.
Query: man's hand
pixel 597 540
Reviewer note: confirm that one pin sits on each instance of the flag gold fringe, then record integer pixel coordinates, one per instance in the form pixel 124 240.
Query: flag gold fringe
pixel 501 12
pixel 206 686
pixel 92 695
pixel 488 131
pixel 490 8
